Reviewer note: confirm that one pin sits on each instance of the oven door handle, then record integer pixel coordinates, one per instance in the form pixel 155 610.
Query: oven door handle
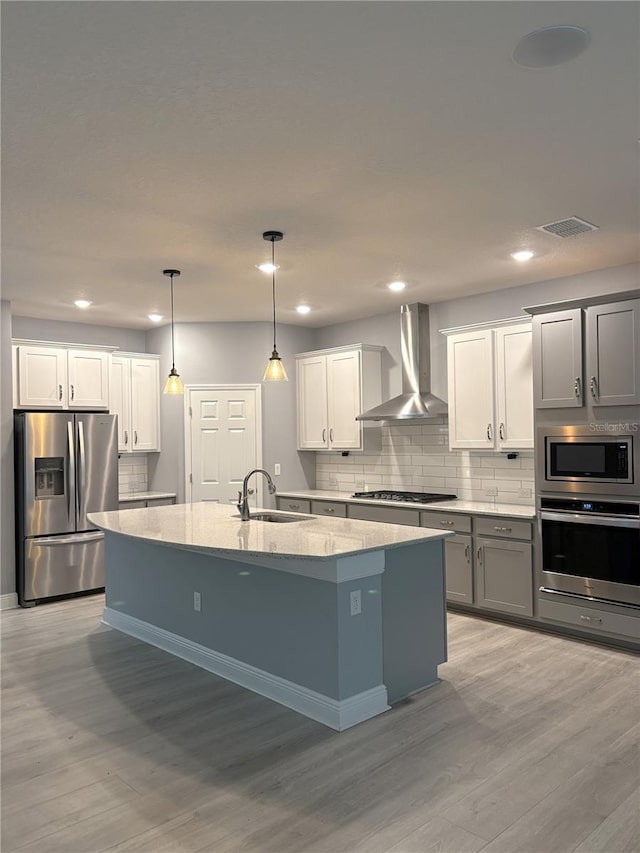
pixel 595 520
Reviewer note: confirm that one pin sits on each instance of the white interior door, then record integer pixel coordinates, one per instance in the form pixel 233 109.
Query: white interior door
pixel 224 442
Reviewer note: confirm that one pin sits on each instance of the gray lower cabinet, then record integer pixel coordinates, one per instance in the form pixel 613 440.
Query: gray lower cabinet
pixel 146 502
pixel 504 576
pixel 458 558
pixel 337 510
pixel 294 504
pixel 387 515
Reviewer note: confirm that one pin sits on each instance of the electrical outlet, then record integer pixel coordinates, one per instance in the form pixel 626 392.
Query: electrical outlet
pixel 276 469
pixel 197 601
pixel 524 493
pixel 355 599
pixel 491 492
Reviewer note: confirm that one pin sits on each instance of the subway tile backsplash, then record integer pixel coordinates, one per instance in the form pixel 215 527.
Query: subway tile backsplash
pixel 132 474
pixel 417 457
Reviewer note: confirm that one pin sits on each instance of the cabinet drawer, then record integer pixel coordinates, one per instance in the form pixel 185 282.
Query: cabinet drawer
pixel 160 501
pixel 446 521
pixel 388 515
pixel 590 618
pixel 132 505
pixel 337 510
pixel 294 505
pixel 507 528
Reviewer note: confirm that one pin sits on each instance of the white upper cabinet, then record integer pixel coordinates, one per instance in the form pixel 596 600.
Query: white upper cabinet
pixel 514 387
pixel 609 348
pixel 60 377
pixel 135 398
pixel 333 387
pixel 490 388
pixel 613 353
pixel 88 372
pixel 471 368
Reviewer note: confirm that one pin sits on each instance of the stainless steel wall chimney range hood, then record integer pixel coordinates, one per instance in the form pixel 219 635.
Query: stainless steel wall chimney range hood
pixel 416 400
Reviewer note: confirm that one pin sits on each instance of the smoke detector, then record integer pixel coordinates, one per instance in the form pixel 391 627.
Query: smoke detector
pixel 570 227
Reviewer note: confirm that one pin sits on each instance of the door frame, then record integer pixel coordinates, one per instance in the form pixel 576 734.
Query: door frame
pixel 188 389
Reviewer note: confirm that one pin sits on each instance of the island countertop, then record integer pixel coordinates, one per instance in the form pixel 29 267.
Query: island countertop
pixel 217 529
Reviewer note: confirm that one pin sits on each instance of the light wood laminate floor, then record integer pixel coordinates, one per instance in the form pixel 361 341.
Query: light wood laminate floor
pixel 529 743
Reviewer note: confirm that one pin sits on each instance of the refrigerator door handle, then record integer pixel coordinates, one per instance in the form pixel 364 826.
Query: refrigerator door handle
pixel 76 539
pixel 71 467
pixel 82 479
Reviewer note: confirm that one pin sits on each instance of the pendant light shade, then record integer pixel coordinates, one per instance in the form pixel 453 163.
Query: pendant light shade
pixel 173 385
pixel 275 371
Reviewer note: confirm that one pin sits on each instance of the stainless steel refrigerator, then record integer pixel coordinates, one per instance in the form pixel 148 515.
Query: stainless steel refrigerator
pixel 66 467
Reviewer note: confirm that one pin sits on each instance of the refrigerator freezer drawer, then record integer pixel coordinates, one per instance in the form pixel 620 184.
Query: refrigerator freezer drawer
pixel 57 565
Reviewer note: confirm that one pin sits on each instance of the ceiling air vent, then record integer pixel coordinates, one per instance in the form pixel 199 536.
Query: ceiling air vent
pixel 567 227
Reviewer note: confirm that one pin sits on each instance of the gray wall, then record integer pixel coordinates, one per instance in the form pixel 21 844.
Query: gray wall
pixel 228 353
pixel 385 329
pixel 7 542
pixel 31 328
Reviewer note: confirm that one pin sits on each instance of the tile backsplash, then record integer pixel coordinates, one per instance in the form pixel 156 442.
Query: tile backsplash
pixel 417 458
pixel 132 474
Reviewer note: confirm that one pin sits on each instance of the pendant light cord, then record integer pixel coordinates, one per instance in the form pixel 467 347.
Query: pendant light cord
pixel 273 289
pixel 173 349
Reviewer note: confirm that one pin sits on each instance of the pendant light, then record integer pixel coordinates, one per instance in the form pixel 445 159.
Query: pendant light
pixel 275 371
pixel 173 385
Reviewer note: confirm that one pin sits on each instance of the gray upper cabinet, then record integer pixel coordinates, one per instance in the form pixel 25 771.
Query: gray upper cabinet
pixel 613 353
pixel 557 359
pixel 610 348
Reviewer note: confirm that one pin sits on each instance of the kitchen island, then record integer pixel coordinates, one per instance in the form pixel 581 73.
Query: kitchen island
pixel 335 618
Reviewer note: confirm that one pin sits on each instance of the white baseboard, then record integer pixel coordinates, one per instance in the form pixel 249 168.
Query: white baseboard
pixel 336 714
pixel 8 601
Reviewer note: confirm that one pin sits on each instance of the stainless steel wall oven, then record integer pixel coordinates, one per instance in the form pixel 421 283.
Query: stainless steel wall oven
pixel 591 548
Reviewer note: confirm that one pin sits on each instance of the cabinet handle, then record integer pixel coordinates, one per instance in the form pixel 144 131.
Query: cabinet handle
pixel 135 436
pixel 467 553
pixel 331 434
pixel 447 523
pixel 479 555
pixel 502 431
pixel 502 529
pixel 593 386
pixel 489 432
pixel 294 506
pixel 59 392
pixel 73 392
pixel 595 619
pixel 126 436
pixel 324 435
pixel 329 509
pixel 576 387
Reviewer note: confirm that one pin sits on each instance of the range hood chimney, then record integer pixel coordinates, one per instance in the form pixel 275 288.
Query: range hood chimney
pixel 416 400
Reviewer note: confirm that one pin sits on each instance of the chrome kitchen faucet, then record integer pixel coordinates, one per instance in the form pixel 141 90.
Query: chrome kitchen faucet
pixel 243 496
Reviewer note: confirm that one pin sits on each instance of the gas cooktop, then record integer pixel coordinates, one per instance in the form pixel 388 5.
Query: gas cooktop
pixel 407 497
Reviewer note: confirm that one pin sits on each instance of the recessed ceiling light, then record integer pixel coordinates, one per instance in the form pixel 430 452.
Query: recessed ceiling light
pixel 82 303
pixel 397 285
pixel 268 267
pixel 155 318
pixel 303 309
pixel 523 255
pixel 551 46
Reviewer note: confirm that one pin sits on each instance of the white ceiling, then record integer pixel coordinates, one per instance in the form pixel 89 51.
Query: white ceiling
pixel 386 139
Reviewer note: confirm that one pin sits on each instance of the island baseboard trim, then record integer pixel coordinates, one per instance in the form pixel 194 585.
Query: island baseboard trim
pixel 8 601
pixel 334 713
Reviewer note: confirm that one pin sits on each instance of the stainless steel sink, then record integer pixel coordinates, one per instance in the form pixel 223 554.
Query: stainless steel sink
pixel 280 518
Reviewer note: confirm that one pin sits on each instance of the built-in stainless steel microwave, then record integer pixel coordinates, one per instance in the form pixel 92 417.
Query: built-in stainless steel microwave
pixel 584 460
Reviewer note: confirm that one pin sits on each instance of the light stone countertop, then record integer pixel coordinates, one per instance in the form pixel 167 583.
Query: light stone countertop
pixel 217 529
pixel 465 506
pixel 144 496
